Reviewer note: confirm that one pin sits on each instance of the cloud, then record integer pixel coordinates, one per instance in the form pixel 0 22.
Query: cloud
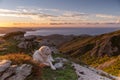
pixel 59 17
pixel 106 16
pixel 74 14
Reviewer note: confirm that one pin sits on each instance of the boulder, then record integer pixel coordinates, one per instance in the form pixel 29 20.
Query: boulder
pixel 21 72
pixel 14 72
pixel 30 38
pixel 60 62
pixel 9 72
pixel 58 65
pixel 58 59
pixel 4 64
pixel 27 45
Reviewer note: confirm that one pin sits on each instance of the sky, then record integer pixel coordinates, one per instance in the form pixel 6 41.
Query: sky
pixel 59 13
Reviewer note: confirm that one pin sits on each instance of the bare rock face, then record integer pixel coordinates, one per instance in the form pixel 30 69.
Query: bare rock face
pixel 4 64
pixel 21 72
pixel 107 46
pixel 9 72
pixel 28 44
pixel 14 72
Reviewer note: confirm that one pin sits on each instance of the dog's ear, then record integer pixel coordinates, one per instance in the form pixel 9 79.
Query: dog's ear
pixel 42 50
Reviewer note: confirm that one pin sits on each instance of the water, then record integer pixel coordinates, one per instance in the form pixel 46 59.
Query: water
pixel 69 31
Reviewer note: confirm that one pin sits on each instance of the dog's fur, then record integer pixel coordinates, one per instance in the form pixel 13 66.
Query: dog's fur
pixel 43 56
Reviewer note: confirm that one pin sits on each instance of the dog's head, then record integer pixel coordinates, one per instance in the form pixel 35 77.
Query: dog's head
pixel 45 50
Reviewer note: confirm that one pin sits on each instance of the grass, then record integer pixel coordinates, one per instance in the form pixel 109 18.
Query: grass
pixel 114 69
pixel 17 58
pixel 11 46
pixel 63 74
pixel 68 73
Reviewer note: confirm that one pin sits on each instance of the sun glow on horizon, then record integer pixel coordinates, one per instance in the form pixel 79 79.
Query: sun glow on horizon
pixel 25 17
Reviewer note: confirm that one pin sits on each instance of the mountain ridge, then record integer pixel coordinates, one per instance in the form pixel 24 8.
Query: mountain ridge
pixel 96 50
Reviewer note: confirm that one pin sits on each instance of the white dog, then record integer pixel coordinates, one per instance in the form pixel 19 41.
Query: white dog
pixel 43 55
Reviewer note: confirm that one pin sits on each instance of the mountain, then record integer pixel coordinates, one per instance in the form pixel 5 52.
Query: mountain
pixel 81 50
pixel 101 51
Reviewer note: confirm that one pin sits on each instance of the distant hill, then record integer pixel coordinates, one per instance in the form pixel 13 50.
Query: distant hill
pixel 101 51
pixel 56 39
pixel 4 30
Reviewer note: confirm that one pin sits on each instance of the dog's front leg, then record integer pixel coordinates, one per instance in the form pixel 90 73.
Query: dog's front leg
pixel 51 58
pixel 51 65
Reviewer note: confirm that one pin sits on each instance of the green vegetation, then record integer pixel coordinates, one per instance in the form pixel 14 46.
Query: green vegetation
pixel 65 74
pixel 11 47
pixel 114 69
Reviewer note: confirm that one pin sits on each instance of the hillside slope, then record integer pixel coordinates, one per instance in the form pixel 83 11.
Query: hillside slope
pixel 101 51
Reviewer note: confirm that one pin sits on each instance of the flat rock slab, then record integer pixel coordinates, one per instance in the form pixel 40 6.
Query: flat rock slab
pixel 4 64
pixel 14 72
pixel 85 73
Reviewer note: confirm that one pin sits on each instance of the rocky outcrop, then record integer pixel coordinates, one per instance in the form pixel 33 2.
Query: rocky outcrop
pixel 28 44
pixel 107 46
pixel 60 62
pixel 14 72
pixel 4 64
pixel 18 35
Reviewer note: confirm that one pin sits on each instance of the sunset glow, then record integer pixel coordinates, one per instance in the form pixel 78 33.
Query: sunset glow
pixel 28 15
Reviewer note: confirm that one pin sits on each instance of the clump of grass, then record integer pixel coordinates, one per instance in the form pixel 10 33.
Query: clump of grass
pixel 63 74
pixel 17 58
